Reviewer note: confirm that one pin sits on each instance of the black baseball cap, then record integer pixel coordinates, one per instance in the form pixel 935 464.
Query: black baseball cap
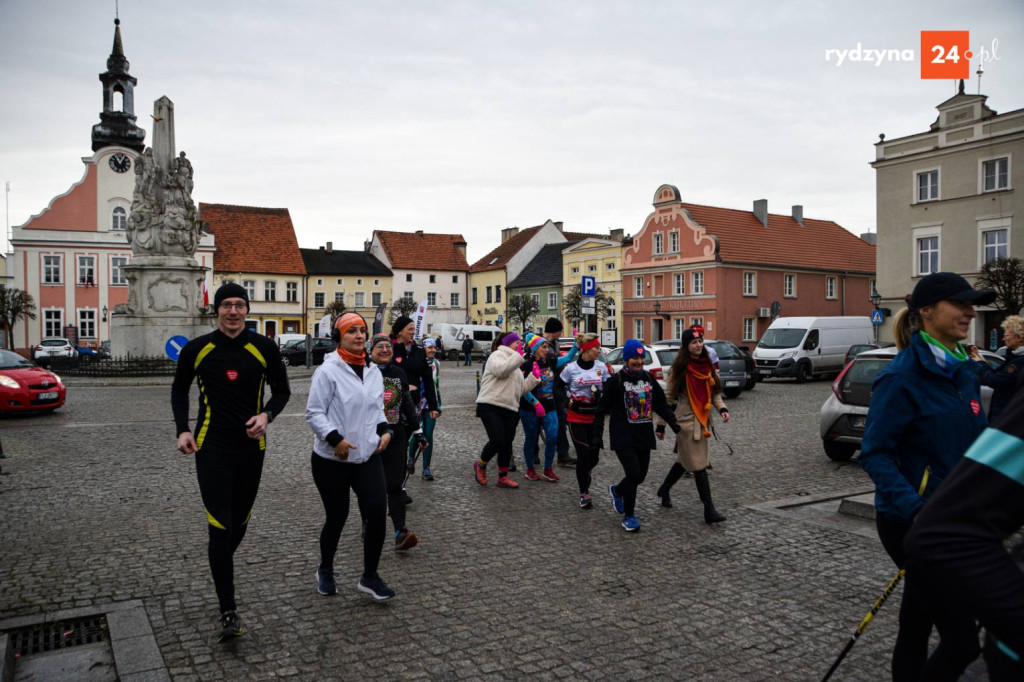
pixel 948 286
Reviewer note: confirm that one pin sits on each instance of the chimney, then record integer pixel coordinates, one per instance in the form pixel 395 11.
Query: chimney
pixel 366 245
pixel 558 224
pixel 798 214
pixel 330 247
pixel 461 246
pixel 870 237
pixel 508 233
pixel 616 235
pixel 321 248
pixel 761 211
pixel 419 232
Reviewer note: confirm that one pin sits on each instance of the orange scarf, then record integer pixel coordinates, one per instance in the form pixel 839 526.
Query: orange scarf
pixel 699 383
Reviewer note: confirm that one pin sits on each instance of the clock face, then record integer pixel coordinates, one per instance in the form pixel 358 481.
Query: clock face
pixel 120 163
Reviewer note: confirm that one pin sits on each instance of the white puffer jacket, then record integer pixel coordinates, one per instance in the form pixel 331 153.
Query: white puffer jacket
pixel 340 401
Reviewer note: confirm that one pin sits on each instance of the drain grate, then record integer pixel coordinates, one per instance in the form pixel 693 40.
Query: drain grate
pixel 61 634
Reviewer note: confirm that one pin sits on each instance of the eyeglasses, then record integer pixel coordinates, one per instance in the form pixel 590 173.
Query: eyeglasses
pixel 233 306
pixel 383 347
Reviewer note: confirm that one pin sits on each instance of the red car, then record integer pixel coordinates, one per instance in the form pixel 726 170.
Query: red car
pixel 26 387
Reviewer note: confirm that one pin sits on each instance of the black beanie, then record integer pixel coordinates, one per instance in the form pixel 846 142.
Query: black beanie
pixel 552 325
pixel 400 324
pixel 230 290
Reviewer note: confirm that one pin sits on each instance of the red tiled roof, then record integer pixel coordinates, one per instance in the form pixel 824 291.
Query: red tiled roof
pixel 503 252
pixel 423 250
pixel 252 239
pixel 817 243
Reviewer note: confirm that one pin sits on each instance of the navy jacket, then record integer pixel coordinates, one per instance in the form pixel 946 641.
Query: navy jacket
pixel 920 423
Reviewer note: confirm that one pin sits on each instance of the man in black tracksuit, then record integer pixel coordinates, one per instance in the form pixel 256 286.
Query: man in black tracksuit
pixel 233 367
pixel 552 332
pixel 413 361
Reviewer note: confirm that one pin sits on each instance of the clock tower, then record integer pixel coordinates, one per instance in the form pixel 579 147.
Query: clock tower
pixel 117 120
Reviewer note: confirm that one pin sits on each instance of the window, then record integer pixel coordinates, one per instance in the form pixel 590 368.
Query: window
pixel 678 286
pixel 250 288
pixel 87 270
pixel 431 299
pixel 995 244
pixel 678 327
pixel 697 283
pixel 291 292
pixel 375 298
pixel 409 295
pixel 455 279
pixel 87 324
pixel 318 299
pixel 673 242
pixel 408 277
pixel 118 218
pixel 552 300
pixel 53 323
pixel 995 174
pixel 376 282
pixel 830 287
pixel 433 279
pixel 927 255
pixel 454 300
pixel 750 284
pixel 591 268
pixel 696 321
pixel 536 299
pixel 270 290
pixel 339 296
pixel 117 264
pixel 609 266
pixel 360 299
pixel 928 185
pixel 574 270
pixel 359 282
pixel 51 270
pixel 749 328
pixel 472 294
pixel 497 293
pixel 638 329
pixel 488 296
pixel 319 281
pixel 789 285
pixel 638 287
pixel 341 282
pixel 659 239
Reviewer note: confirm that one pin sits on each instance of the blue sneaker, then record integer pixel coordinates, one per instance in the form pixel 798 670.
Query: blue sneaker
pixel 630 523
pixel 375 587
pixel 325 583
pixel 616 500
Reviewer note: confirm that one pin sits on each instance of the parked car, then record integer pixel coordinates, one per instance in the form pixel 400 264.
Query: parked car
pixel 294 352
pixel 804 347
pixel 53 347
pixel 284 339
pixel 844 414
pixel 755 376
pixel 859 348
pixel 27 387
pixel 652 363
pixel 104 350
pixel 87 354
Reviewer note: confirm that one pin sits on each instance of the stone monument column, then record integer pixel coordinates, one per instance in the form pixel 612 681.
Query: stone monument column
pixel 164 279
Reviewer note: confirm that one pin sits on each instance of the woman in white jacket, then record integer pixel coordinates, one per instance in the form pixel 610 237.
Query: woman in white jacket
pixel 346 412
pixel 497 406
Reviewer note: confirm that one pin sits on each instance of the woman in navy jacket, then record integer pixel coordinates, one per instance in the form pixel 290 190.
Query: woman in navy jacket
pixel 925 413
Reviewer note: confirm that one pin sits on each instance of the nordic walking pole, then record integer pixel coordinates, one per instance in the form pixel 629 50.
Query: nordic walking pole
pixel 412 464
pixel 867 621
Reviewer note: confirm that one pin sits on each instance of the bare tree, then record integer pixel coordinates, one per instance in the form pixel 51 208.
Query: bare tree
pixel 1006 277
pixel 404 306
pixel 335 308
pixel 573 305
pixel 15 306
pixel 521 309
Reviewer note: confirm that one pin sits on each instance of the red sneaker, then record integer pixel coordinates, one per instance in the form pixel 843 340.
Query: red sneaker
pixel 506 482
pixel 532 474
pixel 480 473
pixel 550 475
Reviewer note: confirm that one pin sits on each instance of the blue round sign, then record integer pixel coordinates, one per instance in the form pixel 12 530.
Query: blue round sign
pixel 174 346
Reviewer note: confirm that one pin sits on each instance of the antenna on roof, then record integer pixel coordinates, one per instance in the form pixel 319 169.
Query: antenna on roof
pixel 116 11
pixel 980 71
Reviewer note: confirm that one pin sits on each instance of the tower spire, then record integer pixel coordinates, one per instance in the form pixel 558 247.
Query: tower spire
pixel 117 120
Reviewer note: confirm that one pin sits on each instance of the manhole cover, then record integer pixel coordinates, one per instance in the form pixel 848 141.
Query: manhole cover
pixel 62 634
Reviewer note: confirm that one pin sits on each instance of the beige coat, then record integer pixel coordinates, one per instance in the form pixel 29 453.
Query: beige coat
pixel 691 445
pixel 502 384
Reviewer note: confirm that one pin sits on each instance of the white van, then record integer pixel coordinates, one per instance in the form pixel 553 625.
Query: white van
pixel 452 336
pixel 803 347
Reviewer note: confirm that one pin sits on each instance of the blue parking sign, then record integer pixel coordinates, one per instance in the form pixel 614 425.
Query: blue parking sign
pixel 588 286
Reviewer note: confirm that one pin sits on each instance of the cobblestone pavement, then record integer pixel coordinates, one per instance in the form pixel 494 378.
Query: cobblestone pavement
pixel 98 507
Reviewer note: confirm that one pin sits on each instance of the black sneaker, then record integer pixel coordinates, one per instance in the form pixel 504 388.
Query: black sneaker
pixel 325 583
pixel 230 626
pixel 567 462
pixel 375 587
pixel 408 500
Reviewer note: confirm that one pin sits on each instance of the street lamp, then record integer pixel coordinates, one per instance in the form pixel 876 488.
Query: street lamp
pixel 105 311
pixel 657 310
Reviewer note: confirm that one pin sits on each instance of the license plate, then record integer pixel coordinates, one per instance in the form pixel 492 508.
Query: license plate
pixel 765 371
pixel 858 422
pixel 732 383
pixel 52 395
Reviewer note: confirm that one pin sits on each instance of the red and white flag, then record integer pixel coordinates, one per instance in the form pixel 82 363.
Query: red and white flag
pixel 206 295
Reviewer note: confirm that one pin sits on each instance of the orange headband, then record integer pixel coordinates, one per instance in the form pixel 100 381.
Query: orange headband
pixel 593 343
pixel 348 320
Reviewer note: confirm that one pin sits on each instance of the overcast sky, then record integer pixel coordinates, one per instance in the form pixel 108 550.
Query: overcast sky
pixel 474 116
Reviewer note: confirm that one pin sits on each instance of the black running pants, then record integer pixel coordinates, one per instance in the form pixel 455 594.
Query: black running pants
pixel 395 458
pixel 500 425
pixel 635 463
pixel 587 456
pixel 334 480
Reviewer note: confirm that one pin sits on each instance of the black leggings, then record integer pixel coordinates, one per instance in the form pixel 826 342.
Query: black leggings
pixel 228 482
pixel 334 480
pixel 395 458
pixel 635 463
pixel 958 643
pixel 587 456
pixel 500 425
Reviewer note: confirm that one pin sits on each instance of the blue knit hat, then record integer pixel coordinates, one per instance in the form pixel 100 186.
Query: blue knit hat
pixel 632 349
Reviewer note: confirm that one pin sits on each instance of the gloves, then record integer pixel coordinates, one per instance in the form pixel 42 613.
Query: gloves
pixel 660 429
pixel 539 409
pixel 519 347
pixel 536 371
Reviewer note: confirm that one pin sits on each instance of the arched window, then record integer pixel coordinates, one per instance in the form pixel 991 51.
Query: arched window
pixel 117 103
pixel 119 218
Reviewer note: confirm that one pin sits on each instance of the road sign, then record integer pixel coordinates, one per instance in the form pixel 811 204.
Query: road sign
pixel 877 317
pixel 174 346
pixel 587 304
pixel 588 286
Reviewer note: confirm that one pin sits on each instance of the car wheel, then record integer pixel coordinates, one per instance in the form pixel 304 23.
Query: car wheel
pixel 803 372
pixel 839 452
pixel 732 392
pixel 285 360
pixel 751 382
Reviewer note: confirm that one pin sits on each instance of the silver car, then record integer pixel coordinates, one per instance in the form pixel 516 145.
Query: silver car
pixel 844 414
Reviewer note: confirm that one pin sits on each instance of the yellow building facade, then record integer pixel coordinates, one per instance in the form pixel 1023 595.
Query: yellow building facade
pixel 487 296
pixel 600 259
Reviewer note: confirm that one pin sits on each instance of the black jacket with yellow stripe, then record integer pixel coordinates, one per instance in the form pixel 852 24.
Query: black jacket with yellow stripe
pixel 232 374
